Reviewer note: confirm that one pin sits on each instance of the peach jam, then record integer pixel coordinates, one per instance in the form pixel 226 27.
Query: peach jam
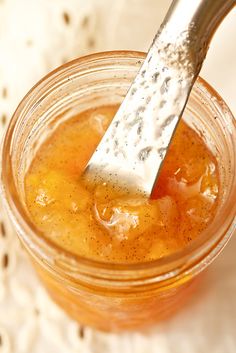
pixel 97 222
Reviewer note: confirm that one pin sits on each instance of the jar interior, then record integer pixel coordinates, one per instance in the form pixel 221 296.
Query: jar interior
pixel 76 89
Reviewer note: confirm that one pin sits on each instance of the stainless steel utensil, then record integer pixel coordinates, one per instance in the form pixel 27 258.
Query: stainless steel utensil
pixel 134 146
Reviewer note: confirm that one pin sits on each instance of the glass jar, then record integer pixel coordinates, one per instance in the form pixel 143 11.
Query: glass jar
pixel 114 296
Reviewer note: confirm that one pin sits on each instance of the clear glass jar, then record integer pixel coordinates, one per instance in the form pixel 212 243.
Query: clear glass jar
pixel 109 296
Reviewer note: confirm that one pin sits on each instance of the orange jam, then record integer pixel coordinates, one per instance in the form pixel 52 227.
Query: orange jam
pixel 99 223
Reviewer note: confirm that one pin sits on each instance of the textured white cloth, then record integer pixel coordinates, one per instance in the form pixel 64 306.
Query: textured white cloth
pixel 35 37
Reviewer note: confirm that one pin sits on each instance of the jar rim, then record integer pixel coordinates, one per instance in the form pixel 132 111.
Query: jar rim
pixel 167 267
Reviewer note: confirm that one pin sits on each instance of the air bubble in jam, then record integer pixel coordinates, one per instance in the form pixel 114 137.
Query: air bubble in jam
pixel 109 223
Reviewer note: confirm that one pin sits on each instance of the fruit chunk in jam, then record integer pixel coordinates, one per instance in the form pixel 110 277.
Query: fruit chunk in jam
pixel 98 222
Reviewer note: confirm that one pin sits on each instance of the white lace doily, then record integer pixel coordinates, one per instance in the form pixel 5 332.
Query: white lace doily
pixel 35 37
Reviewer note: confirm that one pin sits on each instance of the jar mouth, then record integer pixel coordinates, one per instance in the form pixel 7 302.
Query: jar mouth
pixel 192 256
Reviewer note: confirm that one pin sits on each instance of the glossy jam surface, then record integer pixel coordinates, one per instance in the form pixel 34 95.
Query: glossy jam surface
pixel 99 223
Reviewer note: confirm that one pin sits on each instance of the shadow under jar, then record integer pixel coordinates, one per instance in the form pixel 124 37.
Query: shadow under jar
pixel 114 297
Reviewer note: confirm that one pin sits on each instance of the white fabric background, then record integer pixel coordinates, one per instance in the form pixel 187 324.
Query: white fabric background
pixel 34 39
